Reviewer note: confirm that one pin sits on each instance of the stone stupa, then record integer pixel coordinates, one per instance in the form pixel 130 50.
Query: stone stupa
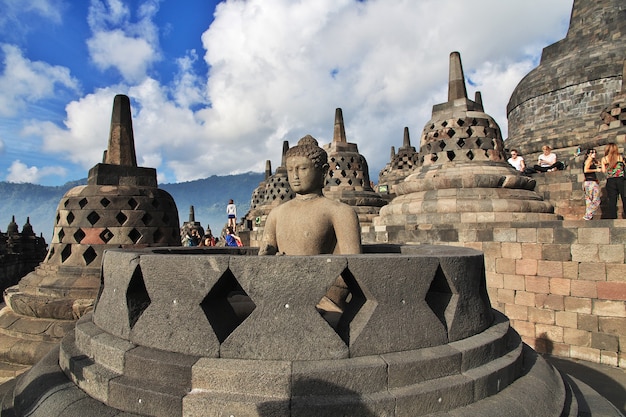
pixel 558 102
pixel 276 190
pixel 400 166
pixel 463 176
pixel 348 179
pixel 121 206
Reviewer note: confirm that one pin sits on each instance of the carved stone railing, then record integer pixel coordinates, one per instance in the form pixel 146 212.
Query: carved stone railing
pixel 220 303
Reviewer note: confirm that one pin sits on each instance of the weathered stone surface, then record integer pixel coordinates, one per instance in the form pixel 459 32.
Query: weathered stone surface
pixel 363 375
pixel 243 377
pixel 165 324
pixel 441 395
pixel 112 311
pixel 368 333
pixel 408 368
pixel 288 327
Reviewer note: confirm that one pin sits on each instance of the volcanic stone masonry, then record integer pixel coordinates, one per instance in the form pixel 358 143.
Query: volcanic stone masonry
pixel 121 206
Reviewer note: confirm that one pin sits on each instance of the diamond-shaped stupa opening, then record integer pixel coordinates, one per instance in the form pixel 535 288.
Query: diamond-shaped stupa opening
pixel 134 235
pixel 146 219
pixel 226 306
pixel 106 235
pixel 341 304
pixel 90 255
pixel 66 253
pixel 121 218
pixel 137 298
pixel 79 235
pixel 82 203
pixel 451 155
pixel 93 218
pixel 439 295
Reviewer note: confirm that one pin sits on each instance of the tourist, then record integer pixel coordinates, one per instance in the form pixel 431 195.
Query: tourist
pixel 591 186
pixel 195 237
pixel 613 166
pixel 207 239
pixel 231 211
pixel 547 161
pixel 310 224
pixel 187 240
pixel 516 161
pixel 231 238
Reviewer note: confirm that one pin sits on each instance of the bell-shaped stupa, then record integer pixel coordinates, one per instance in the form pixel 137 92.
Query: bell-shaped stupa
pixel 276 190
pixel 121 206
pixel 348 179
pixel 400 166
pixel 463 176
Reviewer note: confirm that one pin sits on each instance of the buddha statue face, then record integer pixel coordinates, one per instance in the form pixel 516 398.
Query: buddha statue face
pixel 304 177
pixel 306 165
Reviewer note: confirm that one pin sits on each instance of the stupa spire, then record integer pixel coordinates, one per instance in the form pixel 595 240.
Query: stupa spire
pixel 285 149
pixel 268 169
pixel 456 83
pixel 192 215
pixel 407 140
pixel 339 134
pixel 121 149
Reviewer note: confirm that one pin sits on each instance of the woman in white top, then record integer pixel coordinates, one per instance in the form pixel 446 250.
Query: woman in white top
pixel 517 161
pixel 547 161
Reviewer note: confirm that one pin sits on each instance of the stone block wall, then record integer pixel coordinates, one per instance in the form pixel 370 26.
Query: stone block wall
pixel 562 283
pixel 579 104
pixel 563 288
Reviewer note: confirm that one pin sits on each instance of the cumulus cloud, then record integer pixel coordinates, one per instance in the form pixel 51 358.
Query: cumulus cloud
pixel 130 47
pixel 24 81
pixel 277 69
pixel 84 136
pixel 13 12
pixel 21 173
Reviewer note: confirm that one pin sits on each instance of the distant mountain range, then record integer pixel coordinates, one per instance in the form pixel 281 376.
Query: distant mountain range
pixel 209 197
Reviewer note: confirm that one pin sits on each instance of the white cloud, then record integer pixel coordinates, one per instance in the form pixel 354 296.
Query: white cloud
pixel 85 135
pixel 118 42
pixel 278 70
pixel 21 173
pixel 14 11
pixel 23 81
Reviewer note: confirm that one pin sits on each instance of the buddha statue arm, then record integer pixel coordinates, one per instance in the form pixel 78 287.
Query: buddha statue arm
pixel 268 244
pixel 347 231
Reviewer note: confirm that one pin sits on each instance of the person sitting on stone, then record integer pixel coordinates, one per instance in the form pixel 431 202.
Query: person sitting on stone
pixel 310 224
pixel 547 161
pixel 516 161
pixel 231 238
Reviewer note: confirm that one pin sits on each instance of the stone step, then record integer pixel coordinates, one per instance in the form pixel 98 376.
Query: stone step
pixel 23 352
pixel 32 328
pixel 9 371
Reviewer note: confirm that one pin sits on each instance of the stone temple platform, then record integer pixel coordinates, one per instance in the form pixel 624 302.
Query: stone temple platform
pixel 239 335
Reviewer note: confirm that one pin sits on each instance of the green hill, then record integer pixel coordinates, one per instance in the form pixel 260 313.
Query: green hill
pixel 209 197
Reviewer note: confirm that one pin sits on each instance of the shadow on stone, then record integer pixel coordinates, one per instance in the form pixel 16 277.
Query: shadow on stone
pixel 322 398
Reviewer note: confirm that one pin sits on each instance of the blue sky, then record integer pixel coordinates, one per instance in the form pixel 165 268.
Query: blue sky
pixel 217 86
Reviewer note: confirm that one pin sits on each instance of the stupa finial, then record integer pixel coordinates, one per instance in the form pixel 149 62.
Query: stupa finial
pixel 456 83
pixel 268 169
pixel 192 215
pixel 285 149
pixel 121 149
pixel 339 134
pixel 407 139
